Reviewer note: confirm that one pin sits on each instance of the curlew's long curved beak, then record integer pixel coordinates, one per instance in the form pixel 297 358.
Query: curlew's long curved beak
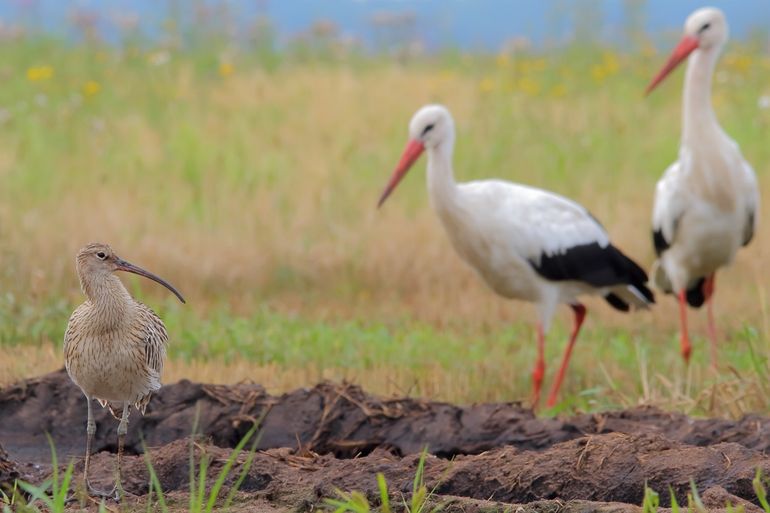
pixel 122 265
pixel 686 46
pixel 412 152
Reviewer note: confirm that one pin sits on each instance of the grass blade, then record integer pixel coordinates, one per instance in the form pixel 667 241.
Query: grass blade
pixel 226 468
pixel 246 466
pixel 382 486
pixel 674 503
pixel 155 482
pixel 760 490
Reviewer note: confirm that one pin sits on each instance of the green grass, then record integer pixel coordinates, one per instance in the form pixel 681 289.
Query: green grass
pixel 199 500
pixel 419 501
pixel 254 193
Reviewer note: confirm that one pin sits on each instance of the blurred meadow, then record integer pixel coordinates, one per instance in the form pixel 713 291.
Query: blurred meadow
pixel 247 175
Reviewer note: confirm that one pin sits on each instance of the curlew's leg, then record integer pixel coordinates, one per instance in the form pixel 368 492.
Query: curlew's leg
pixel 122 430
pixel 580 315
pixel 684 337
pixel 90 432
pixel 539 371
pixel 708 289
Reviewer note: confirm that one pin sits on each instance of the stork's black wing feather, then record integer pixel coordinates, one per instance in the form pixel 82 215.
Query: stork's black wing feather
pixel 600 266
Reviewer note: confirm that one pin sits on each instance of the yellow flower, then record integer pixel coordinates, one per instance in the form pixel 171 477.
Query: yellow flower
pixel 558 90
pixel 503 60
pixel 648 50
pixel 529 86
pixel 610 63
pixel 743 63
pixel 598 73
pixel 39 73
pixel 226 69
pixel 91 87
pixel 486 85
pixel 539 64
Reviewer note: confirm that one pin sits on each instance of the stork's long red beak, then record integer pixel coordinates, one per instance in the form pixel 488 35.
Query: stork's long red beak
pixel 128 267
pixel 686 46
pixel 412 152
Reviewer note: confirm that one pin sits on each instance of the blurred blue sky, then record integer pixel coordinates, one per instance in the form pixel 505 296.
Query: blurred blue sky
pixel 469 24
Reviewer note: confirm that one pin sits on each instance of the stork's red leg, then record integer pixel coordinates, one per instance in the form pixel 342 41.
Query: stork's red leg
pixel 708 290
pixel 684 338
pixel 539 371
pixel 580 315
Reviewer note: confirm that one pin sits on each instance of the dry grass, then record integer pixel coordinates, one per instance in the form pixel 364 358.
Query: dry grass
pixel 259 190
pixel 298 223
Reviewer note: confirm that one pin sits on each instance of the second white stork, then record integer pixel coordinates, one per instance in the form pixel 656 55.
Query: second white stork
pixel 525 243
pixel 706 203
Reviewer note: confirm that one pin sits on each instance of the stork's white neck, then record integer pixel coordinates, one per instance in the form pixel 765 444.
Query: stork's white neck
pixel 442 188
pixel 699 122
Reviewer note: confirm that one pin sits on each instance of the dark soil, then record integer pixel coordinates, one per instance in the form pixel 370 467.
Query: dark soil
pixel 314 441
pixel 9 469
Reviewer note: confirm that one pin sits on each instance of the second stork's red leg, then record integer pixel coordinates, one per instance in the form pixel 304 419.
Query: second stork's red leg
pixel 708 291
pixel 684 337
pixel 539 371
pixel 580 315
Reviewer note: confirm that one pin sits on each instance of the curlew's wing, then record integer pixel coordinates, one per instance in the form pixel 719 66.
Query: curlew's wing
pixel 155 340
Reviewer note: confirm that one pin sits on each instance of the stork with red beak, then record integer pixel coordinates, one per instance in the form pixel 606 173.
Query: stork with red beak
pixel 706 203
pixel 525 243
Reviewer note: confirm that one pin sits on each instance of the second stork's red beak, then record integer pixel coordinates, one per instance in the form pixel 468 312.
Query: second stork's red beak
pixel 412 152
pixel 686 46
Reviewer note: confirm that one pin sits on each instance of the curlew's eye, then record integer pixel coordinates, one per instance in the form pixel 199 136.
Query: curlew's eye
pixel 427 129
pixel 101 255
pixel 704 27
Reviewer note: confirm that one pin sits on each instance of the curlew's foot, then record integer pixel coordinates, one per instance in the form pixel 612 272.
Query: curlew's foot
pixel 114 494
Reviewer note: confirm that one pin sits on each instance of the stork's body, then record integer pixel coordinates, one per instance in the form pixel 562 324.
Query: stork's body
pixel 114 346
pixel 525 243
pixel 706 203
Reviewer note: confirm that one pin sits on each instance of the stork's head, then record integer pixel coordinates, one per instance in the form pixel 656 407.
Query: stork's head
pixel 704 29
pixel 431 126
pixel 96 262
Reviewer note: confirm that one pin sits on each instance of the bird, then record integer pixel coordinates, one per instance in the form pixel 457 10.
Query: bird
pixel 525 243
pixel 114 346
pixel 706 203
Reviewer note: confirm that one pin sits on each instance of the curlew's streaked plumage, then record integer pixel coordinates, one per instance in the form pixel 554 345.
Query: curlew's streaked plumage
pixel 114 346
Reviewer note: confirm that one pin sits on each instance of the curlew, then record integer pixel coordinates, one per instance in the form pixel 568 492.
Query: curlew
pixel 114 346
pixel 525 243
pixel 707 202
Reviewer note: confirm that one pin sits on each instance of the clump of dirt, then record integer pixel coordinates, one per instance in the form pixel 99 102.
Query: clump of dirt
pixel 329 418
pixel 599 469
pixel 9 470
pixel 314 441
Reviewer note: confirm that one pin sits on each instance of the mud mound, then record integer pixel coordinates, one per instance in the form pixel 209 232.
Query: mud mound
pixel 329 437
pixel 339 419
pixel 9 470
pixel 598 469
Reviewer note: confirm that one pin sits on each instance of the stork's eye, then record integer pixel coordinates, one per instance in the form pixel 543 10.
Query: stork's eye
pixel 704 27
pixel 427 129
pixel 101 255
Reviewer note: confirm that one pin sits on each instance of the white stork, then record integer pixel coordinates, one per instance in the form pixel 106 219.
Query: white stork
pixel 525 243
pixel 706 203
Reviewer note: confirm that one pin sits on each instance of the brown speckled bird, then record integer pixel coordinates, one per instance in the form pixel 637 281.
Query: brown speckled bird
pixel 114 346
